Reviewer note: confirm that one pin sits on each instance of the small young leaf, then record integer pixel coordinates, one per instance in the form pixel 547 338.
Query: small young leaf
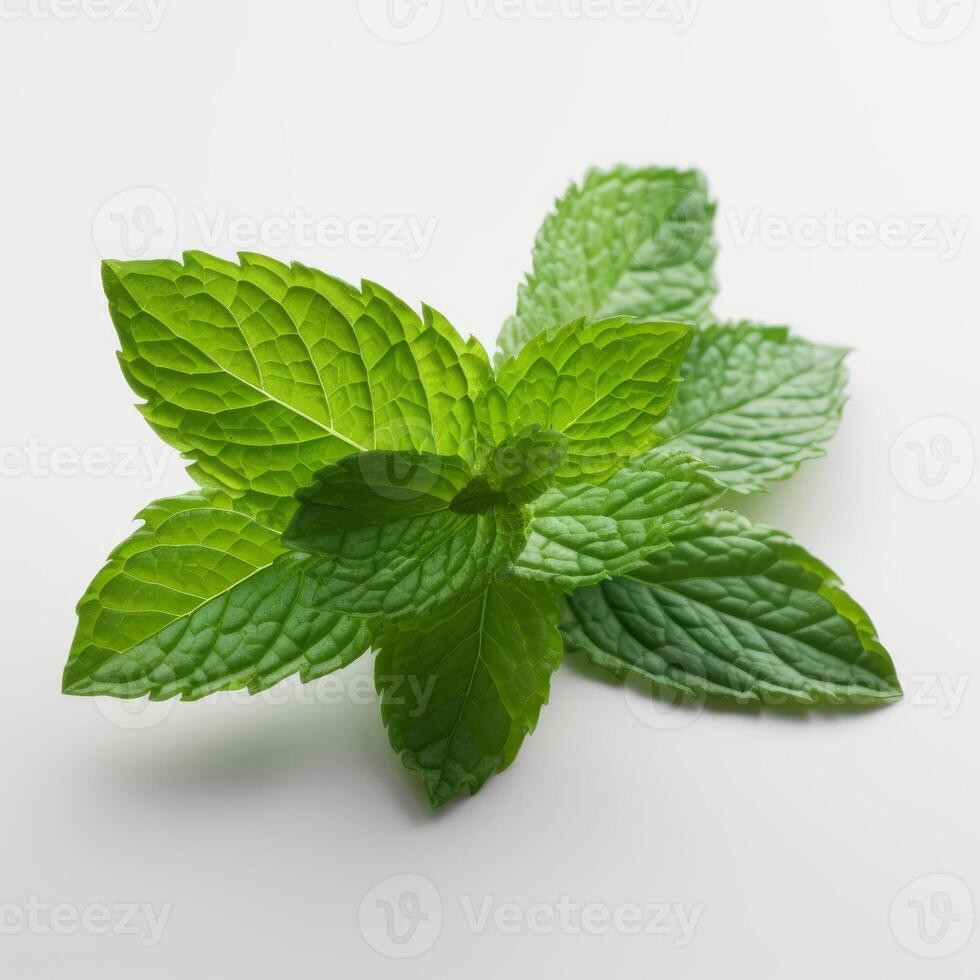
pixel 624 242
pixel 523 466
pixel 386 535
pixel 202 599
pixel 516 472
pixel 601 385
pixel 756 403
pixel 580 535
pixel 461 691
pixel 736 612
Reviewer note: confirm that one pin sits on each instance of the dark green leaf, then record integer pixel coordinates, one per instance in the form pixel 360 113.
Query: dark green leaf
pixel 736 612
pixel 480 673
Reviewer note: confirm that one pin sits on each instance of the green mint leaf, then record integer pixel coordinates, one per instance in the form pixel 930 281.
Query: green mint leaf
pixel 262 373
pixel 756 403
pixel 601 385
pixel 580 535
pixel 736 612
pixel 479 674
pixel 386 535
pixel 624 242
pixel 201 599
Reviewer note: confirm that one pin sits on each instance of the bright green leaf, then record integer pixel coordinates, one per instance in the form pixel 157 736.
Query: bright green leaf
pixel 755 402
pixel 602 385
pixel 736 612
pixel 582 534
pixel 635 242
pixel 480 673
pixel 201 599
pixel 262 373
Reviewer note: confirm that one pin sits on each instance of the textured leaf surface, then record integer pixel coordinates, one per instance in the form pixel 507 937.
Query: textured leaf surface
pixel 262 373
pixel 393 540
pixel 736 612
pixel 479 676
pixel 523 466
pixel 367 491
pixel 579 535
pixel 624 242
pixel 602 385
pixel 756 403
pixel 202 599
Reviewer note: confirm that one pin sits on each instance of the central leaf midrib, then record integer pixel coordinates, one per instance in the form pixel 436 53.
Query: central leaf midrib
pixel 477 660
pixel 257 388
pixel 185 615
pixel 730 409
pixel 765 630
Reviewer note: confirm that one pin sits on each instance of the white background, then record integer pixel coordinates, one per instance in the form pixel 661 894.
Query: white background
pixel 262 826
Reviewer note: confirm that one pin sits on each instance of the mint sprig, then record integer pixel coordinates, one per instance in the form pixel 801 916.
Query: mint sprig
pixel 369 480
